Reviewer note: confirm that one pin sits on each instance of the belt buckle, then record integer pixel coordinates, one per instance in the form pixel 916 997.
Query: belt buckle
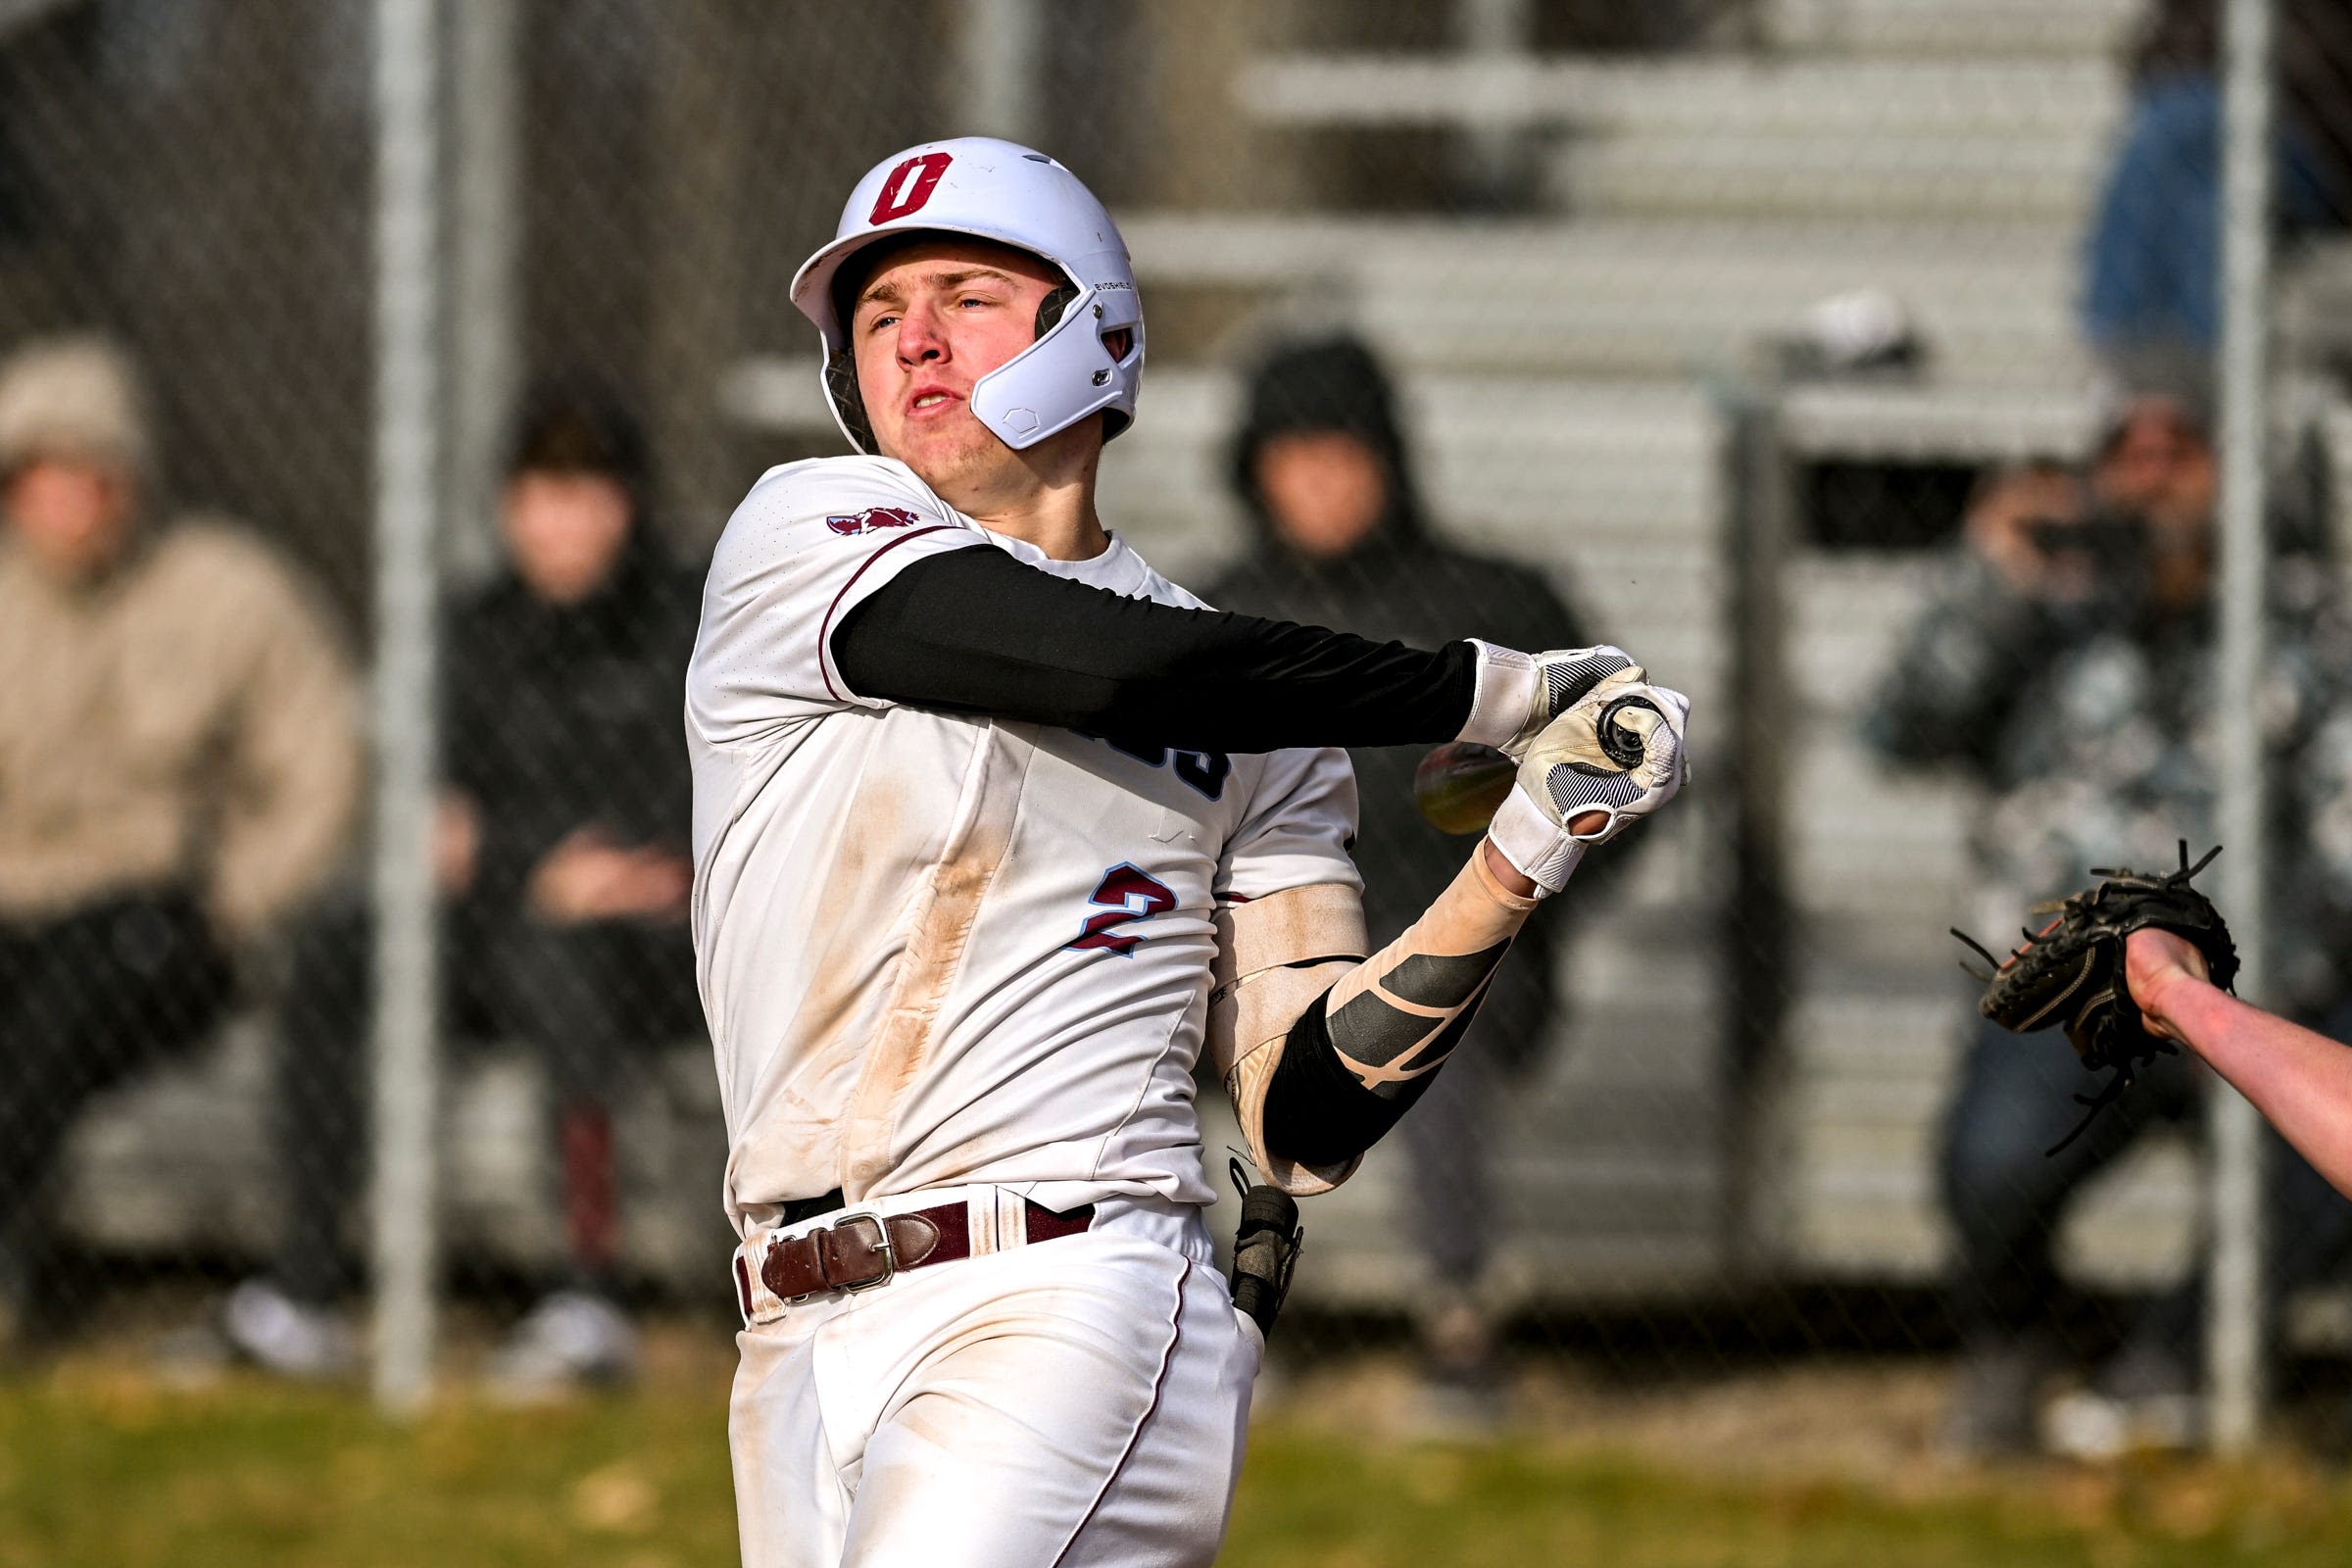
pixel 882 1245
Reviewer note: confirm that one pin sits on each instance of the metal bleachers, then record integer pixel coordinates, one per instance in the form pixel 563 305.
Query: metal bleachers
pixel 1932 29
pixel 1643 296
pixel 204 1120
pixel 1869 138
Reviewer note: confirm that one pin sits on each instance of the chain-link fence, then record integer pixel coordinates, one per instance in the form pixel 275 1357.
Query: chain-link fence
pixel 1852 362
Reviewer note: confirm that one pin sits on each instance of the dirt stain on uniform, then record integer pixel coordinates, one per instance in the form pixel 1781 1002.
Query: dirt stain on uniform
pixel 842 978
pixel 947 905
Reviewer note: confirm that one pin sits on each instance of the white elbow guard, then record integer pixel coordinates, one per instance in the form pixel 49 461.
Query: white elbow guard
pixel 1275 957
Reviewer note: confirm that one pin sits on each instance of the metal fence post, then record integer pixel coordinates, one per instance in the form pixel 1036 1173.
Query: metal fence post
pixel 1499 34
pixel 2237 1329
pixel 1759 516
pixel 1001 47
pixel 485 248
pixel 407 486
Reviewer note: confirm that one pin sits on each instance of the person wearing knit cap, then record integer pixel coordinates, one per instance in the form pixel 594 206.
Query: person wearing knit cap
pixel 179 763
pixel 1343 539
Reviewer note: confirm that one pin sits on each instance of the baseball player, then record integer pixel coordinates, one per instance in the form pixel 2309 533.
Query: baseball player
pixel 996 831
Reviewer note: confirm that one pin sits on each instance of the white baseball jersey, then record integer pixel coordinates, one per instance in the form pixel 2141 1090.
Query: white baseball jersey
pixel 937 949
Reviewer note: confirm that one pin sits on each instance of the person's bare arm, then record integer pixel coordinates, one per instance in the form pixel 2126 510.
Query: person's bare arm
pixel 2300 1080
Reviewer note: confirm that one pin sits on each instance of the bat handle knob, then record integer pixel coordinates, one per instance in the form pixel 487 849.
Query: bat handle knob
pixel 1624 746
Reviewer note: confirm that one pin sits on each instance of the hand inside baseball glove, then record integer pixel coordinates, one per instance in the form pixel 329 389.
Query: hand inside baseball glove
pixel 2071 972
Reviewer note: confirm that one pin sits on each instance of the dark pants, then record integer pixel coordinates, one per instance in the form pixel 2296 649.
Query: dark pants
pixel 2006 1201
pixel 586 998
pixel 87 999
pixel 1450 1136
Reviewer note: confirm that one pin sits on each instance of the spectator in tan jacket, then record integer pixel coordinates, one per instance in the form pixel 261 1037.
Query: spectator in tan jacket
pixel 177 762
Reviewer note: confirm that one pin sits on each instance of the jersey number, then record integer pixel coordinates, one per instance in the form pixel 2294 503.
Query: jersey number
pixel 1128 895
pixel 1206 771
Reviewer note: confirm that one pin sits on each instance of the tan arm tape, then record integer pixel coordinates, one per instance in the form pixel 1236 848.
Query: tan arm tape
pixel 1265 977
pixel 1475 912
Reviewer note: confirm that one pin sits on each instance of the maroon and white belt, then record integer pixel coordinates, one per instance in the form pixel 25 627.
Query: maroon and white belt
pixel 869 1245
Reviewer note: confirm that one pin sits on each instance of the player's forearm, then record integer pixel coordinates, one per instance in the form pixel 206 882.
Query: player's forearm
pixel 1361 1057
pixel 976 631
pixel 2299 1080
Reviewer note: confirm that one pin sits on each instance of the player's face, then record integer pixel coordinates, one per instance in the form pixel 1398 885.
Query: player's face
pixel 929 324
pixel 71 517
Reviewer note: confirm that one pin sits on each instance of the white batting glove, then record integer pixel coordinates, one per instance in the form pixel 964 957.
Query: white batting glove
pixel 1569 776
pixel 1518 693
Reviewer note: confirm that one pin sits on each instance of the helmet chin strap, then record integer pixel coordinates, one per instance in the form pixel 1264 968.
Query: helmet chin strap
pixel 841 369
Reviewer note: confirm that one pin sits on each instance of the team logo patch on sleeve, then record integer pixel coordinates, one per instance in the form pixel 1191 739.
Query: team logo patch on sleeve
pixel 871 519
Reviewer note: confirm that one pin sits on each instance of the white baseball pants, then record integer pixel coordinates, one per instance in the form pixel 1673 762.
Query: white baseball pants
pixel 1081 1400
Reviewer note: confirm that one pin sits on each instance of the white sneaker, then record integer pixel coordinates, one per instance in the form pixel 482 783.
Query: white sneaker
pixel 268 1328
pixel 2096 1427
pixel 571 1339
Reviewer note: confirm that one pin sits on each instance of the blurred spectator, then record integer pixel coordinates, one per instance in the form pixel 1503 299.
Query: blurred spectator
pixel 561 851
pixel 177 762
pixel 1321 466
pixel 2070 667
pixel 2152 269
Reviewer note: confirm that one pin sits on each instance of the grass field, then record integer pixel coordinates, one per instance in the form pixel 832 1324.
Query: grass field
pixel 100 1465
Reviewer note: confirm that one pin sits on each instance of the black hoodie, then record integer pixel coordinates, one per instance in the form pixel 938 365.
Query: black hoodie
pixel 560 717
pixel 1402 582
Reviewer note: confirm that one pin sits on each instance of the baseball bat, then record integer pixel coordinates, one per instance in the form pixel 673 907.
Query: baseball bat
pixel 1460 786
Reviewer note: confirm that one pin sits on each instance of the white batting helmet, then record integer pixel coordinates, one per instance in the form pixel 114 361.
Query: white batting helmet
pixel 1089 353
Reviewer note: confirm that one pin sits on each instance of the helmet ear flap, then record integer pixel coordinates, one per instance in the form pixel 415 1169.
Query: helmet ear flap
pixel 841 383
pixel 1049 308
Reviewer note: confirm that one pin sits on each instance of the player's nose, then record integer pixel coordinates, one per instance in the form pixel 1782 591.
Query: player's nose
pixel 920 340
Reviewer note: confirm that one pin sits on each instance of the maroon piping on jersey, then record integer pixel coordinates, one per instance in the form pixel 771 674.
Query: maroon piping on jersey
pixel 824 635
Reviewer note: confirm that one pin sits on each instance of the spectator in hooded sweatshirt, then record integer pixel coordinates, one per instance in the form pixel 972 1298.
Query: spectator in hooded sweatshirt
pixel 561 855
pixel 178 764
pixel 1322 469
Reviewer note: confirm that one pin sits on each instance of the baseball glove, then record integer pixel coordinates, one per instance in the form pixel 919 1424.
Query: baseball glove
pixel 2071 972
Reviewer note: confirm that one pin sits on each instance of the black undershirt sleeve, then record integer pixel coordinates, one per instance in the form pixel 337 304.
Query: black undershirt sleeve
pixel 977 631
